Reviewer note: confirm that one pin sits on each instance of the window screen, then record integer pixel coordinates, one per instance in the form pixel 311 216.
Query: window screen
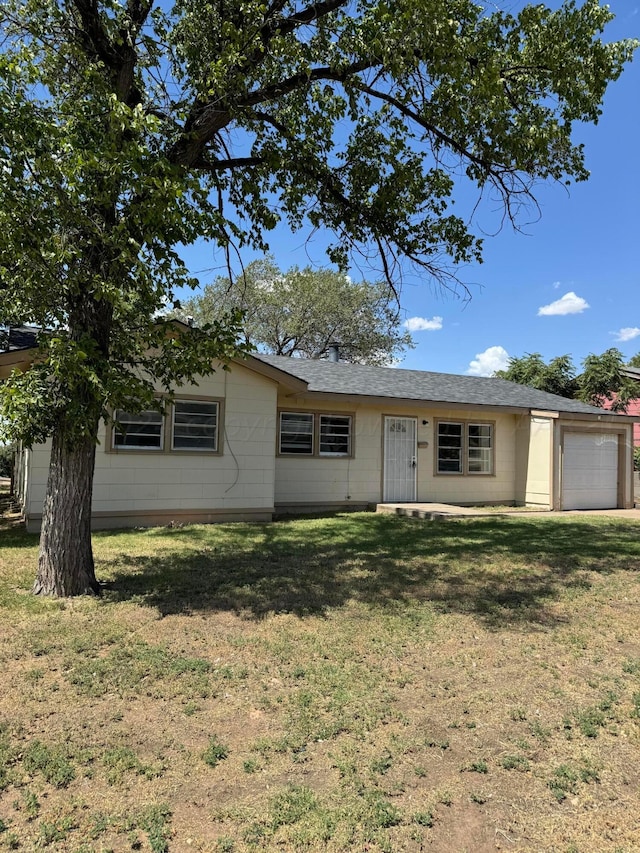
pixel 335 435
pixel 480 448
pixel 450 445
pixel 142 431
pixel 296 433
pixel 195 425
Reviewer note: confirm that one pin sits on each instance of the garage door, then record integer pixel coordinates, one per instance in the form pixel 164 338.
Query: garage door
pixel 590 471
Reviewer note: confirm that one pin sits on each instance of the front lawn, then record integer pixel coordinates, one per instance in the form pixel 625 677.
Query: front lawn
pixel 358 683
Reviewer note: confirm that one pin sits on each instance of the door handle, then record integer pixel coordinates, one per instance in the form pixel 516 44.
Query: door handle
pixel 413 462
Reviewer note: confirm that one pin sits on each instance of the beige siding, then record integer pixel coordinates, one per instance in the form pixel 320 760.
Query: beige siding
pixel 21 475
pixel 498 487
pixel 37 465
pixel 319 481
pixel 538 463
pixel 241 477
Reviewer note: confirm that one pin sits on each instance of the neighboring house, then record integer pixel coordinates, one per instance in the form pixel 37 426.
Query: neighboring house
pixel 277 435
pixel 633 407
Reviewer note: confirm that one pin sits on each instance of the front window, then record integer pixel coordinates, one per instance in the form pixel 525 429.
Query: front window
pixel 195 425
pixel 296 433
pixel 142 431
pixel 480 448
pixel 315 434
pixel 335 435
pixel 464 448
pixel 450 448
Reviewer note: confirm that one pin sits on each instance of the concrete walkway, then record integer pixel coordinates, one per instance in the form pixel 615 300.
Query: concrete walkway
pixel 436 511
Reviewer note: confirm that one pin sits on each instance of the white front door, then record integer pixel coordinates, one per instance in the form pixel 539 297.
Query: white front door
pixel 400 451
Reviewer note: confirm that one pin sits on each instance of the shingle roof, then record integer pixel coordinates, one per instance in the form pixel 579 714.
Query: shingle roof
pixel 391 382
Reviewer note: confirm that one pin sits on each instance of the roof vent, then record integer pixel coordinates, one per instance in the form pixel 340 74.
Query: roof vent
pixel 334 352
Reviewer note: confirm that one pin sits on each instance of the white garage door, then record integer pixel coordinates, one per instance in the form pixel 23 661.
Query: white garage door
pixel 590 471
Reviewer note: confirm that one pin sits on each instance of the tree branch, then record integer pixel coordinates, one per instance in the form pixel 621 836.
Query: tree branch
pixel 205 119
pixel 298 19
pixel 431 128
pixel 213 167
pixel 119 59
pixel 93 35
pixel 290 84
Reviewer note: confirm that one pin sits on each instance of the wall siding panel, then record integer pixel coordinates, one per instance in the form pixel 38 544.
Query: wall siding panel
pixel 315 480
pixel 129 481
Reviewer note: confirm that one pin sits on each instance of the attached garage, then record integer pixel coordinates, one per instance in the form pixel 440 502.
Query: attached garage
pixel 590 470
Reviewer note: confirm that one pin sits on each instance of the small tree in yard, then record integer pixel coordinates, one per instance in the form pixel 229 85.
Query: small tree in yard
pixel 303 312
pixel 127 131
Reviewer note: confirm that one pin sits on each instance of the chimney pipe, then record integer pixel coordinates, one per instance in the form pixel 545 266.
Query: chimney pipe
pixel 334 352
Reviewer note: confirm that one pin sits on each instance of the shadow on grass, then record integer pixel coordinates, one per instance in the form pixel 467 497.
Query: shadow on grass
pixel 14 536
pixel 501 570
pixel 12 533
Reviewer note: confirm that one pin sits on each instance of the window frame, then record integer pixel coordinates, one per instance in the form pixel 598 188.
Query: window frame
pixel 491 448
pixel 124 448
pixel 465 447
pixel 328 454
pixel 303 454
pixel 191 450
pixel 316 417
pixel 167 429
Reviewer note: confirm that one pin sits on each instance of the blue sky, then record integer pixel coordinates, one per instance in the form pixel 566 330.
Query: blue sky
pixel 567 283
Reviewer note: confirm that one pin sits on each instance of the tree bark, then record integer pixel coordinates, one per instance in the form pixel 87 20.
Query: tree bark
pixel 65 565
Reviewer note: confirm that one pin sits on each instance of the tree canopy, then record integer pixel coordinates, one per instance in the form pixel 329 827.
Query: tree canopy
pixel 602 382
pixel 127 131
pixel 304 311
pixel 556 377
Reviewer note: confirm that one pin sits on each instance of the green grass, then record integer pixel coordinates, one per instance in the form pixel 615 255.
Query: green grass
pixel 215 752
pixel 50 762
pixel 350 667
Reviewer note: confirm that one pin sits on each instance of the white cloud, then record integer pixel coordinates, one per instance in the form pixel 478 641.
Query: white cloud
pixel 557 284
pixel 627 334
pixel 486 363
pixel 423 324
pixel 570 303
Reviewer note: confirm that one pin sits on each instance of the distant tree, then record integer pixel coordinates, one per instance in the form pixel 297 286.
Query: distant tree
pixel 302 312
pixel 601 383
pixel 556 377
pixel 634 361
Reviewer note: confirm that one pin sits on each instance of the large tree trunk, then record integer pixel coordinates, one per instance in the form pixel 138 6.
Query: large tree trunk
pixel 65 566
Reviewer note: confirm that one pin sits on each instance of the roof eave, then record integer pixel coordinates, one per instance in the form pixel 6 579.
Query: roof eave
pixel 288 381
pixel 601 415
pixel 458 406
